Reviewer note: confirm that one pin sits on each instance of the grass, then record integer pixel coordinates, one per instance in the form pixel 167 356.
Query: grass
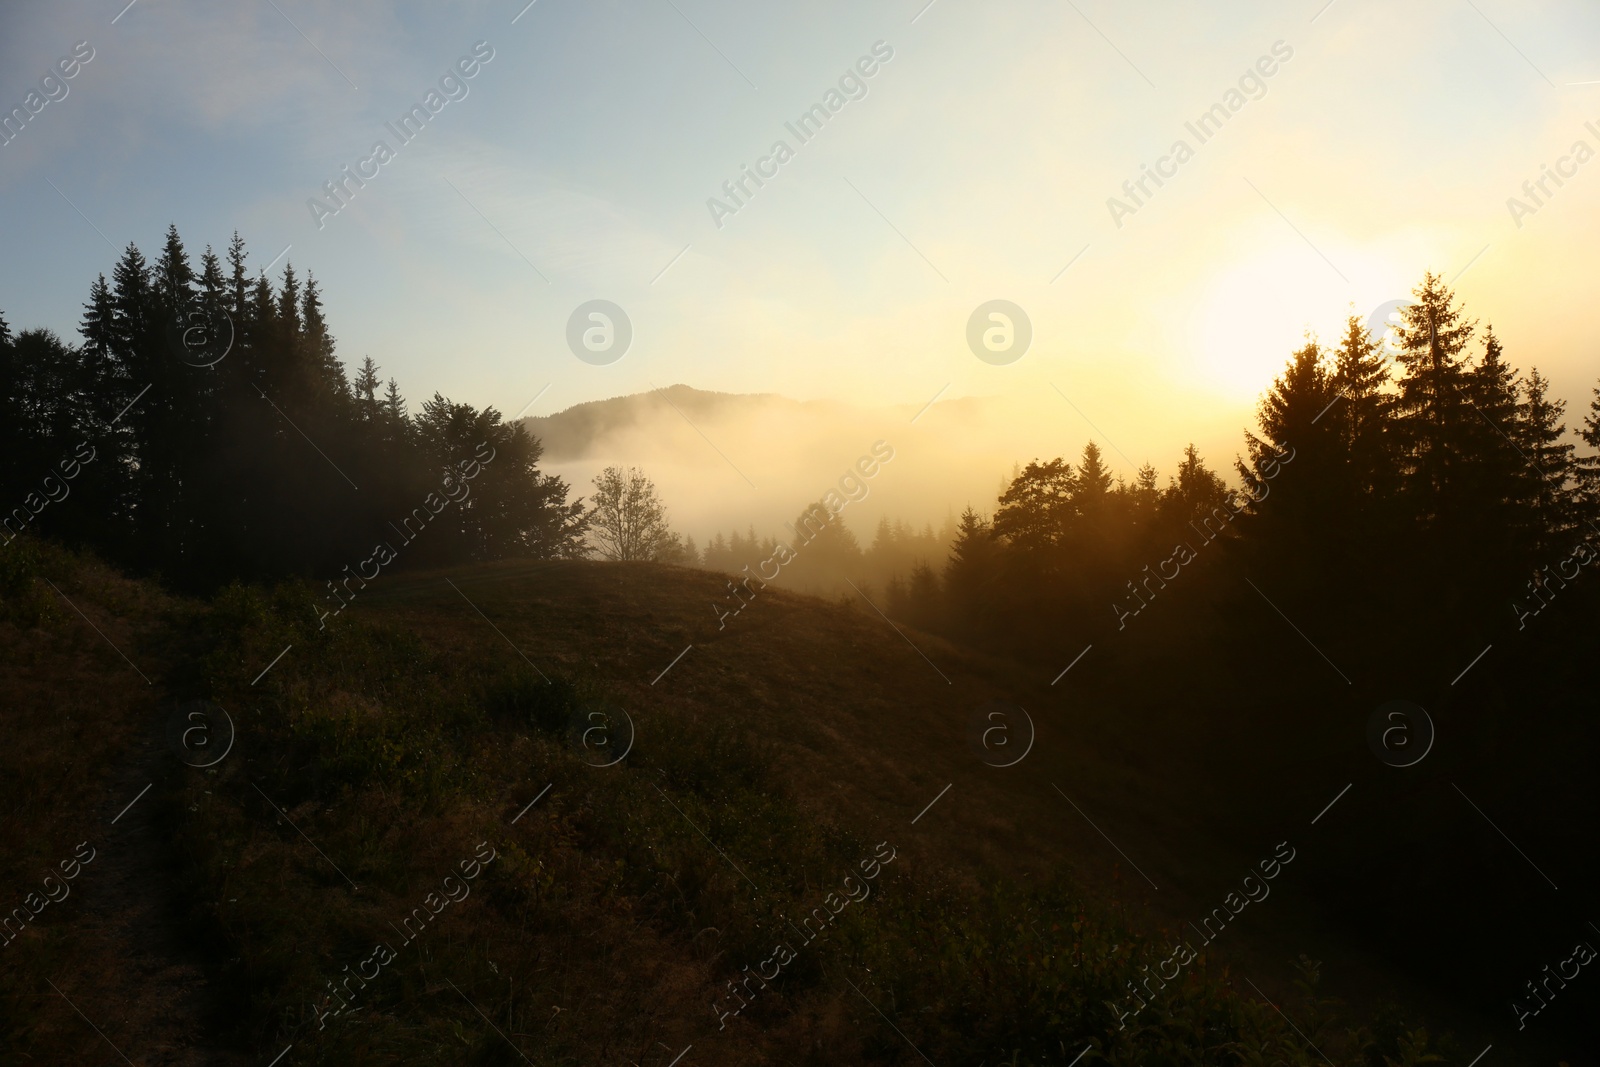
pixel 773 757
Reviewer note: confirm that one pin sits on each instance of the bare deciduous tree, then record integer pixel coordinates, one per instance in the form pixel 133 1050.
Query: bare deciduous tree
pixel 629 521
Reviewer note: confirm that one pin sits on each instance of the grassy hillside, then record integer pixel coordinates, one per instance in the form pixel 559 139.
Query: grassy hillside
pixel 413 852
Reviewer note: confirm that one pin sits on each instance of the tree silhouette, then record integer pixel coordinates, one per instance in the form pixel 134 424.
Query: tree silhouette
pixel 629 522
pixel 228 443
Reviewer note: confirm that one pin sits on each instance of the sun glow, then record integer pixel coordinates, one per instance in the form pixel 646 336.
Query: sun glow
pixel 1251 318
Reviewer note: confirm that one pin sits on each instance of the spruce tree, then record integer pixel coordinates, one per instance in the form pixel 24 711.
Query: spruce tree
pixel 1539 433
pixel 365 391
pixel 1587 469
pixel 971 572
pixel 394 418
pixel 1092 486
pixel 130 304
pixel 1431 409
pixel 1361 414
pixel 97 325
pixel 173 276
pixel 1499 480
pixel 1195 492
pixel 331 384
pixel 238 279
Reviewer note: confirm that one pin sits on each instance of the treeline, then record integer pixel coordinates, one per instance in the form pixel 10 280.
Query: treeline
pixel 1418 468
pixel 1411 519
pixel 899 562
pixel 202 429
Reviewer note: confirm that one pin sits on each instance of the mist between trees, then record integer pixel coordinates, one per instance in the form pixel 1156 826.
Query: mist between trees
pixel 275 461
pixel 1424 461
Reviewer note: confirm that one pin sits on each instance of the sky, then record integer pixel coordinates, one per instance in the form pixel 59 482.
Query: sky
pixel 976 163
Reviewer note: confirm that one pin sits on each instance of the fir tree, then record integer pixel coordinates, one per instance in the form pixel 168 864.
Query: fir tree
pixel 1431 409
pixel 238 279
pixel 1501 482
pixel 173 276
pixel 394 405
pixel 1539 433
pixel 1092 486
pixel 1587 468
pixel 1361 413
pixel 97 327
pixel 1297 474
pixel 325 368
pixel 365 391
pixel 1194 492
pixel 970 574
pixel 130 302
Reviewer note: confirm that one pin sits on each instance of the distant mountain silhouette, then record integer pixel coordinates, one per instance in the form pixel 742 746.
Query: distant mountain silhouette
pixel 572 433
pixel 579 431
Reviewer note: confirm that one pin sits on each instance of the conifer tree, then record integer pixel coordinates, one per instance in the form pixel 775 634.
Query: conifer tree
pixel 1361 411
pixel 97 327
pixel 12 432
pixel 173 276
pixel 394 405
pixel 1499 480
pixel 332 385
pixel 238 280
pixel 1539 433
pixel 1093 483
pixel 1297 478
pixel 1195 491
pixel 1145 493
pixel 130 303
pixel 923 597
pixel 1431 409
pixel 200 478
pixel 212 284
pixel 365 391
pixel 1587 468
pixel 970 574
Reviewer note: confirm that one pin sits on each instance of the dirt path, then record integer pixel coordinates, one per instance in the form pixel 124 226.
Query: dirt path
pixel 87 711
pixel 165 1009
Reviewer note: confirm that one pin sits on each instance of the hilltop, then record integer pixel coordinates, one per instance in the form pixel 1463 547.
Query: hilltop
pixel 429 732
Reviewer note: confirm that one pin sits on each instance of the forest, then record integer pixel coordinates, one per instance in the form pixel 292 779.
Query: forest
pixel 1425 441
pixel 193 422
pixel 1412 517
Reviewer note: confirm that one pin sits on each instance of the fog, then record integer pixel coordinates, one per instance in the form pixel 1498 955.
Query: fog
pixel 726 462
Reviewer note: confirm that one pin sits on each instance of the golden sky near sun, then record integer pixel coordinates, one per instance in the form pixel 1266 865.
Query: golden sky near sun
pixel 1360 144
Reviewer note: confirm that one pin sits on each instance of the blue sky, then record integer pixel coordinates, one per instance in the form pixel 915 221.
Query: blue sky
pixel 976 167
